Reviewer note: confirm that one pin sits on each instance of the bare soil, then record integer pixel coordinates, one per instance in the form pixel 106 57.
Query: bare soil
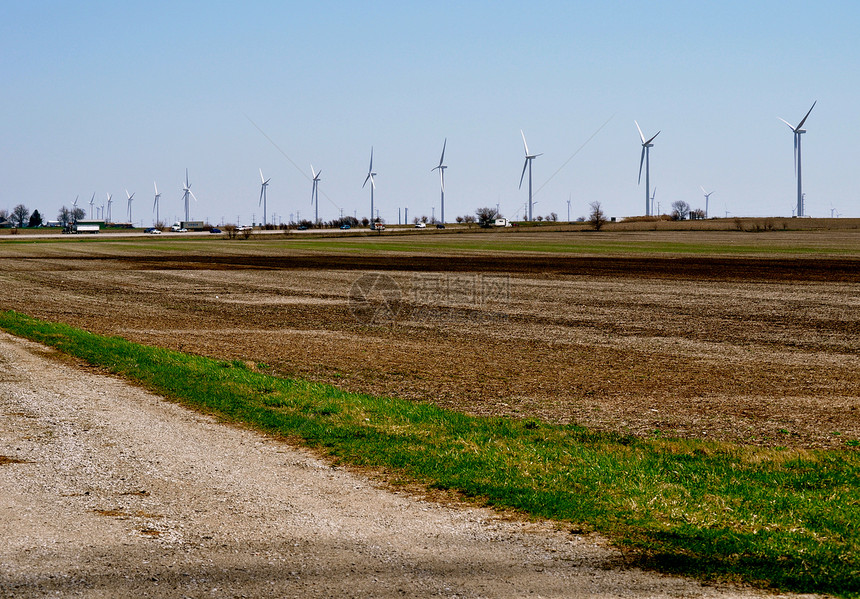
pixel 753 349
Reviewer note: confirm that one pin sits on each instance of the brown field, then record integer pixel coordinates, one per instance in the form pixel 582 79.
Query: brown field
pixel 759 346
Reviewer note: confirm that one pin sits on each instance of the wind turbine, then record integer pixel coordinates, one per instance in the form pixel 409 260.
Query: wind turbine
pixel 109 203
pixel 264 184
pixel 130 198
pixel 92 201
pixel 315 193
pixel 707 197
pixel 646 158
pixel 187 192
pixel 155 203
pixel 75 209
pixel 528 164
pixel 653 195
pixel 370 175
pixel 798 131
pixel 441 168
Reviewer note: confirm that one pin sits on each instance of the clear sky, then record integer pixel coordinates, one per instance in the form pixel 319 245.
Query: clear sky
pixel 107 96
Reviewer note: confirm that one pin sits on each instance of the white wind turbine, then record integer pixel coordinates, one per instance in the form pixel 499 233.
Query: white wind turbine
pixel 155 203
pixel 370 176
pixel 653 195
pixel 707 197
pixel 646 158
pixel 109 204
pixel 264 184
pixel 75 208
pixel 528 165
pixel 798 131
pixel 441 168
pixel 92 202
pixel 315 193
pixel 130 198
pixel 186 194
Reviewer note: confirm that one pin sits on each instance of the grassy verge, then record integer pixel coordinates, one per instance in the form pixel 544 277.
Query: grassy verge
pixel 784 518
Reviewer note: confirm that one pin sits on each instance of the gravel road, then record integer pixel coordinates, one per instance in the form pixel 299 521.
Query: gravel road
pixel 109 491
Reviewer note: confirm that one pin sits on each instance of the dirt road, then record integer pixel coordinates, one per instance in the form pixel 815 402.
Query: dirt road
pixel 109 491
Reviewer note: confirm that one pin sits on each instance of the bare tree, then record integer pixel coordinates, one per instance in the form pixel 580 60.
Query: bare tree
pixel 64 216
pixel 486 216
pixel 597 218
pixel 20 214
pixel 680 210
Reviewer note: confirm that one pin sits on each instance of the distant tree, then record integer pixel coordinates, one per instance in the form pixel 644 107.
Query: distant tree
pixel 552 217
pixel 486 216
pixel 424 218
pixel 365 221
pixel 35 220
pixel 597 218
pixel 697 214
pixel 78 214
pixel 469 220
pixel 538 218
pixel 580 219
pixel 4 214
pixel 20 214
pixel 64 216
pixel 459 220
pixel 680 210
pixel 416 220
pixel 230 230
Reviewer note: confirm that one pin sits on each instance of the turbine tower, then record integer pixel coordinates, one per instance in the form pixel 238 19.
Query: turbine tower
pixel 528 164
pixel 109 204
pixel 75 209
pixel 186 193
pixel 646 158
pixel 707 197
pixel 155 203
pixel 798 131
pixel 315 193
pixel 92 201
pixel 130 198
pixel 370 175
pixel 264 184
pixel 653 195
pixel 441 168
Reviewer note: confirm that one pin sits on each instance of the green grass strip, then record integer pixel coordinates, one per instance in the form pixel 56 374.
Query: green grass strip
pixel 781 518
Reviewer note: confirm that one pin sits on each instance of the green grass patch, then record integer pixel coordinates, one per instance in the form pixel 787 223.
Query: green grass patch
pixel 782 518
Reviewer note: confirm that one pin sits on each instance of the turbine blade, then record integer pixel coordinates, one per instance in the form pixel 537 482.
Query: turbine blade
pixel 525 145
pixel 370 168
pixel 192 195
pixel 187 184
pixel 366 179
pixel 800 124
pixel 442 176
pixel 652 139
pixel 156 187
pixel 262 191
pixel 525 165
pixel 642 137
pixel 641 162
pixel 313 172
pixel 372 182
pixel 442 159
pixel 262 180
pixel 790 126
pixel 703 190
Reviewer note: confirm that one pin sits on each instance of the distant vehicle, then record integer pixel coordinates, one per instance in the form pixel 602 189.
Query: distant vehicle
pixel 182 230
pixel 215 230
pixel 380 227
pixel 344 227
pixel 440 226
pixel 154 231
pixel 148 230
pixel 303 227
pixel 420 226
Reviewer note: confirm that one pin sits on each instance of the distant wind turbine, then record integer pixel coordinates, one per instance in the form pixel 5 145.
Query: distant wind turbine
pixel 653 195
pixel 315 193
pixel 528 164
pixel 130 199
pixel 370 175
pixel 109 204
pixel 92 201
pixel 155 203
pixel 186 194
pixel 264 185
pixel 798 131
pixel 707 197
pixel 646 158
pixel 441 168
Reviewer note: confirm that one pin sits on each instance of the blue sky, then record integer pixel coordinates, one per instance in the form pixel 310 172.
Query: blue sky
pixel 103 97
